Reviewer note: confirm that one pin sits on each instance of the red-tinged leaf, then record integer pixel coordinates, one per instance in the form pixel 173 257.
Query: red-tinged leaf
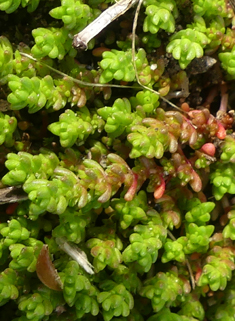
pixel 196 182
pixel 198 274
pixel 46 271
pixel 221 133
pixel 11 208
pixel 159 191
pixel 132 189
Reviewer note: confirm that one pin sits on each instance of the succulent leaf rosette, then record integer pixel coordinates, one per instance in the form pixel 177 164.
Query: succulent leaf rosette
pixel 117 163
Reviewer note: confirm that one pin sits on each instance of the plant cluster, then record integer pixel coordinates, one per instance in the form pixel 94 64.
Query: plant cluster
pixel 128 212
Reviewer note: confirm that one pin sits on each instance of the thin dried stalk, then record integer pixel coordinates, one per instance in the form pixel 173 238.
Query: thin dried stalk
pixel 80 40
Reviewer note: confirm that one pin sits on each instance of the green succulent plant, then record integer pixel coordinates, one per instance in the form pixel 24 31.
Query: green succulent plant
pixel 117 163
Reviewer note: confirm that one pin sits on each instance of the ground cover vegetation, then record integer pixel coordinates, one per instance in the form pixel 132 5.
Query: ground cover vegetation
pixel 108 168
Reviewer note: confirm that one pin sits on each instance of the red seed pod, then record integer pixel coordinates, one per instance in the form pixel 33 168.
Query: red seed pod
pixel 208 149
pixel 46 270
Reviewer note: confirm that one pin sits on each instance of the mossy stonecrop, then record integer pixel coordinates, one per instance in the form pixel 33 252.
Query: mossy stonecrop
pixel 117 168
